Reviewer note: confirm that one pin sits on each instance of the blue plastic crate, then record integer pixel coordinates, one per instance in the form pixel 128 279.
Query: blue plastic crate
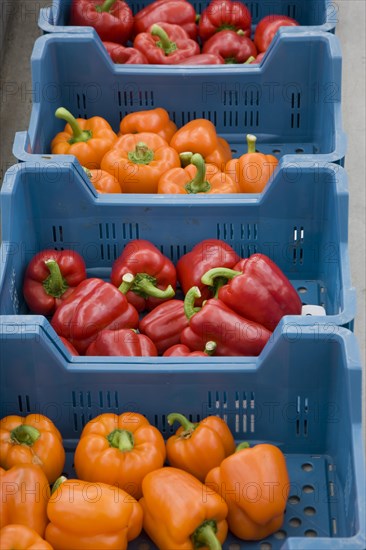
pixel 300 222
pixel 292 102
pixel 303 394
pixel 321 15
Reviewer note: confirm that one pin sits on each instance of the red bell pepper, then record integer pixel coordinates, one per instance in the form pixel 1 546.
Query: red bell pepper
pixel 123 342
pixel 93 306
pixel 267 28
pixel 154 275
pixel 204 256
pixel 233 46
pixel 256 60
pixel 257 289
pixel 121 54
pixel 112 19
pixel 177 12
pixel 68 345
pixel 180 350
pixel 164 324
pixel 215 321
pixel 203 59
pixel 224 14
pixel 50 277
pixel 166 44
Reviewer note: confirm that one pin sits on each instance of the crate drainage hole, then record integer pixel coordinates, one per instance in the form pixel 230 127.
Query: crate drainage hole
pixel 302 289
pixel 295 522
pixel 234 546
pixel 311 533
pixel 299 150
pixel 144 546
pixel 265 546
pixel 276 151
pixel 280 535
pixel 307 467
pixel 294 499
pixel 308 489
pixel 310 511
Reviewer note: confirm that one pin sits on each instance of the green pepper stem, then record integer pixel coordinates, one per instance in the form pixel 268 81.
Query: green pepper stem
pixel 144 285
pixel 106 6
pixel 209 277
pixel 87 172
pixel 141 154
pixel 78 134
pixel 251 141
pixel 205 535
pixel 57 483
pixel 198 184
pixel 121 440
pixel 127 282
pixel 241 446
pixel 55 285
pixel 249 60
pixel 185 158
pixel 210 347
pixel 183 421
pixel 189 299
pixel 25 435
pixel 164 41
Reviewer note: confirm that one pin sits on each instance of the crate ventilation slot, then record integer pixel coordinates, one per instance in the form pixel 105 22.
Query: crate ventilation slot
pixel 132 96
pixel 13 292
pixel 302 413
pixel 291 11
pixel 24 404
pixel 295 110
pixel 58 237
pixel 81 105
pixel 253 7
pixel 161 423
pixel 174 252
pixel 236 408
pixel 187 116
pixel 247 232
pixel 298 251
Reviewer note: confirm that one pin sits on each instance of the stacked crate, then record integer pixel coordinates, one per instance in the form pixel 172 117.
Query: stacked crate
pixel 303 393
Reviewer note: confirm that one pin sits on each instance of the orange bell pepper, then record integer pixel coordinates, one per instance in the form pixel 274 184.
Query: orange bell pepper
pixel 199 447
pixel 156 121
pixel 90 516
pixel 138 161
pixel 197 177
pixel 119 450
pixel 252 170
pixel 33 439
pixel 103 181
pixel 199 136
pixel 88 140
pixel 19 536
pixel 179 514
pixel 24 494
pixel 255 484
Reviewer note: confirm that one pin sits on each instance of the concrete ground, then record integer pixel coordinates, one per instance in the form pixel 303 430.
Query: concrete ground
pixel 20 31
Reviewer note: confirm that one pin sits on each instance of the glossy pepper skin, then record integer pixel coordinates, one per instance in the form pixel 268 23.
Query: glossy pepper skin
pixel 257 289
pixel 255 484
pixel 124 55
pixel 198 447
pixel 112 19
pixel 91 516
pixel 103 182
pixel 94 305
pixel 32 439
pixel 233 47
pixel 199 136
pixel 24 493
pixel 68 345
pixel 204 255
pixel 88 140
pixel 267 28
pixel 203 59
pixel 124 342
pixel 190 519
pixel 51 276
pixel 138 160
pixel 180 350
pixel 21 536
pixel 196 177
pixel 176 12
pixel 164 324
pixel 165 44
pixel 252 170
pixel 154 277
pixel 156 121
pixel 215 321
pixel 224 14
pixel 119 450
